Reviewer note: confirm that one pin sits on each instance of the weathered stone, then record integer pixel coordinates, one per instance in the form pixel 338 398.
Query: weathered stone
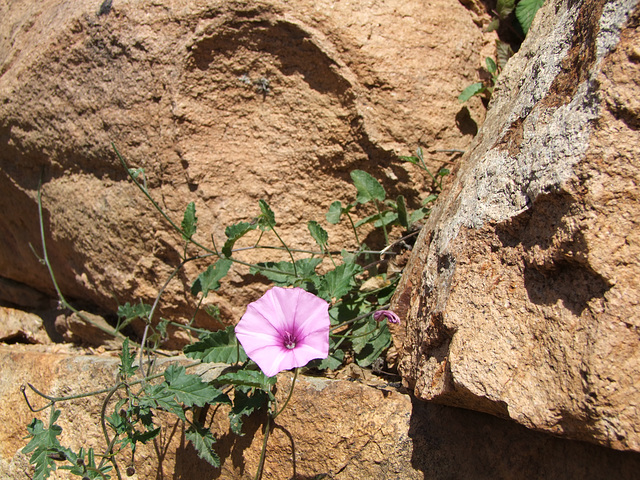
pixel 17 326
pixel 522 298
pixel 339 428
pixel 174 85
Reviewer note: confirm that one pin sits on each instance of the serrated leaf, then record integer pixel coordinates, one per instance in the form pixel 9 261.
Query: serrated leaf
pixel 189 222
pixel 267 219
pixel 318 233
pixel 525 12
pixel 370 340
pixel 43 443
pixel 470 91
pixel 126 361
pixel 244 404
pixel 491 65
pixel 334 213
pixel 338 282
pixel 282 273
pixel 188 389
pixel 128 312
pixel 368 187
pixel 209 280
pixel 203 440
pixel 505 7
pixel 247 378
pixel 403 216
pixel 503 53
pixel 234 233
pixel 217 347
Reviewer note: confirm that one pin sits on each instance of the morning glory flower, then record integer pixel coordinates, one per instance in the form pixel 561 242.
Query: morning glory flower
pixel 380 315
pixel 285 328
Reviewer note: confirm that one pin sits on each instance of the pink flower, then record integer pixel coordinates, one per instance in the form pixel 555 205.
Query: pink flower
pixel 380 315
pixel 284 329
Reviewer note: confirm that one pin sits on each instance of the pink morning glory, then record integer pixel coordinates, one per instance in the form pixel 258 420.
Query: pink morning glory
pixel 285 328
pixel 380 315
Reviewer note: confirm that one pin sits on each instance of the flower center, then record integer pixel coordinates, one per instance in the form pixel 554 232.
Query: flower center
pixel 289 340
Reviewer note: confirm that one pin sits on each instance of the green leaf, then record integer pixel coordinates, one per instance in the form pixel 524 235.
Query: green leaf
pixel 282 274
pixel 188 389
pixel 267 219
pixel 234 233
pixel 470 91
pixel 245 402
pixel 491 65
pixel 388 218
pixel 88 467
pixel 370 340
pixel 332 362
pixel 429 199
pixel 338 282
pixel 505 7
pixel 403 217
pixel 334 213
pixel 217 347
pixel 525 12
pixel 189 222
pixel 126 361
pixel 318 233
pixel 414 160
pixel 418 214
pixel 493 25
pixel 209 280
pixel 247 378
pixel 503 53
pixel 43 443
pixel 368 187
pixel 203 440
pixel 128 312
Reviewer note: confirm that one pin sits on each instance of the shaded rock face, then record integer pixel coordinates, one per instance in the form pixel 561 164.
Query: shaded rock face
pixel 337 428
pixel 522 297
pixel 223 103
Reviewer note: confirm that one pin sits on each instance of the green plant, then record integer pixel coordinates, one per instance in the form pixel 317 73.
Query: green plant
pixel 517 16
pixel 357 316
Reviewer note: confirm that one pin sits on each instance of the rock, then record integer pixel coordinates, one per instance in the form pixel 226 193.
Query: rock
pixel 75 328
pixel 338 428
pixel 222 103
pixel 17 326
pixel 522 298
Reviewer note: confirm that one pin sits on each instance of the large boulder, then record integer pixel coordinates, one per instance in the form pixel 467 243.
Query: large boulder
pixel 522 298
pixel 222 103
pixel 345 429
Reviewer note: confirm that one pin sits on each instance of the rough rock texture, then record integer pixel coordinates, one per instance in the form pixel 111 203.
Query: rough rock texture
pixel 522 298
pixel 175 85
pixel 338 428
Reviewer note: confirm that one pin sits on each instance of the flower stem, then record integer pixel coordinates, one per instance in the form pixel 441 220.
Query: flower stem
pixel 271 417
pixel 384 227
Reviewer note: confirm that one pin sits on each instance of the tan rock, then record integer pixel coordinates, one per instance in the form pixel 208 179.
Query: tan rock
pixel 17 326
pixel 338 428
pixel 522 297
pixel 173 85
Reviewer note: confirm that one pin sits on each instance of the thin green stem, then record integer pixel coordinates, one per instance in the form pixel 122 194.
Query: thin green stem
pixel 295 271
pixel 146 193
pixel 286 402
pixel 267 429
pixel 61 298
pixel 353 226
pixel 384 227
pixel 359 317
pixel 90 394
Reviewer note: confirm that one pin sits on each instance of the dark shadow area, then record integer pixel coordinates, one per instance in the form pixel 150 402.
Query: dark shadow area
pixel 465 123
pixel 451 443
pixel 554 253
